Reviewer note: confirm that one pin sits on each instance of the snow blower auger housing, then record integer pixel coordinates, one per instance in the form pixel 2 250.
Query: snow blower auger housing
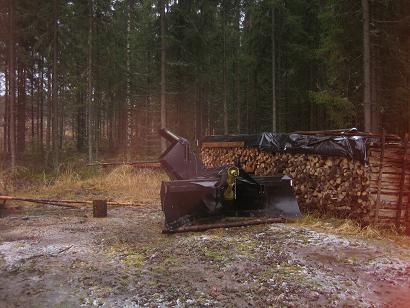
pixel 196 196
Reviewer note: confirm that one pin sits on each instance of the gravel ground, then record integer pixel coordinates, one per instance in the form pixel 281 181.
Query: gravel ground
pixel 65 258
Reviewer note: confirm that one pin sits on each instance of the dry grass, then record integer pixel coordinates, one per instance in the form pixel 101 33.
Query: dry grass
pixel 123 184
pixel 352 228
pixel 141 186
pixel 126 184
pixel 10 181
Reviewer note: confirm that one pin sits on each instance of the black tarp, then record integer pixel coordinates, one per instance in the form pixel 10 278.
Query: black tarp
pixel 351 146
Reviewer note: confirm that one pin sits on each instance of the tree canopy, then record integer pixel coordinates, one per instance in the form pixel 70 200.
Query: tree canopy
pixel 86 76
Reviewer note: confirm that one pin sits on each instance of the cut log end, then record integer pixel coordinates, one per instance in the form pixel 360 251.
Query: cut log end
pixel 99 208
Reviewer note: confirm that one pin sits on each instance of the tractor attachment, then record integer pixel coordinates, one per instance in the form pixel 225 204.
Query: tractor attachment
pixel 197 196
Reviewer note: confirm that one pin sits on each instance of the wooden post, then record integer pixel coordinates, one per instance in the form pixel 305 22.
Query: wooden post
pixel 99 208
pixel 402 182
pixel 408 215
pixel 379 179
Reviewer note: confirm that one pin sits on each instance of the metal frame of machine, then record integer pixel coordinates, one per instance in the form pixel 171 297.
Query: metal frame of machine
pixel 196 195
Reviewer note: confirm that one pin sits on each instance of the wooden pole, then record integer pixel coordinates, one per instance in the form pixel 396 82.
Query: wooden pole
pixel 12 83
pixel 51 201
pixel 402 181
pixel 137 164
pixel 408 215
pixel 379 179
pixel 274 103
pixel 204 227
pixel 163 85
pixel 99 208
pixel 366 67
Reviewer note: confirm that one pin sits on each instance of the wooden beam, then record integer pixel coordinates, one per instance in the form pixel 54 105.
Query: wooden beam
pixel 62 201
pixel 407 217
pixel 224 144
pixel 231 224
pixel 379 179
pixel 136 164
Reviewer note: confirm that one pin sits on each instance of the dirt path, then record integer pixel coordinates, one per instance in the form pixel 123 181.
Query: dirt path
pixel 64 257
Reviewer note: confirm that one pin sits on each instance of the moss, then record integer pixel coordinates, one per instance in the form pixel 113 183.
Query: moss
pixel 158 270
pixel 351 260
pixel 291 274
pixel 127 254
pixel 170 261
pixel 64 304
pixel 246 248
pixel 152 284
pixel 2 262
pixel 135 260
pixel 218 255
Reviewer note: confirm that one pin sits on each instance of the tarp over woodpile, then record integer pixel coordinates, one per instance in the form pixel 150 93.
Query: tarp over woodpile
pixel 344 144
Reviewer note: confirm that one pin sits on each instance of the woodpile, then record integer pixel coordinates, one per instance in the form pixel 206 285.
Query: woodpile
pixel 377 192
pixel 327 184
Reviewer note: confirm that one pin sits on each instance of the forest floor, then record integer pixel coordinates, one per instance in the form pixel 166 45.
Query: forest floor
pixel 64 257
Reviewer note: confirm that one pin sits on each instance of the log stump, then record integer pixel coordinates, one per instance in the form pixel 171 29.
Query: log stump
pixel 99 208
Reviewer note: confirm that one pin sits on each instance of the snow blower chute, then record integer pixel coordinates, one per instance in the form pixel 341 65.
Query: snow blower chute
pixel 225 196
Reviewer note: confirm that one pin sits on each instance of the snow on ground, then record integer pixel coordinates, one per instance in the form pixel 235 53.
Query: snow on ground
pixel 65 257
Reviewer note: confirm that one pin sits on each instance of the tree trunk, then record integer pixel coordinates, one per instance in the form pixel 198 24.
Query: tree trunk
pixel 366 68
pixel 97 120
pixel 127 98
pixel 274 125
pixel 41 105
pixel 49 110
pixel 225 86
pixel 81 122
pixel 21 111
pixel 32 108
pixel 61 132
pixel 195 111
pixel 407 124
pixel 12 83
pixel 54 93
pixel 238 78
pixel 163 77
pixel 247 103
pixel 6 135
pixel 375 73
pixel 89 84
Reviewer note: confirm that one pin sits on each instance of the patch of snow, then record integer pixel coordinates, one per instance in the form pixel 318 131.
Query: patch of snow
pixel 14 252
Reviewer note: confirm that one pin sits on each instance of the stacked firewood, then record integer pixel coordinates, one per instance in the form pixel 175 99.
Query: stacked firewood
pixel 334 185
pixel 377 191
